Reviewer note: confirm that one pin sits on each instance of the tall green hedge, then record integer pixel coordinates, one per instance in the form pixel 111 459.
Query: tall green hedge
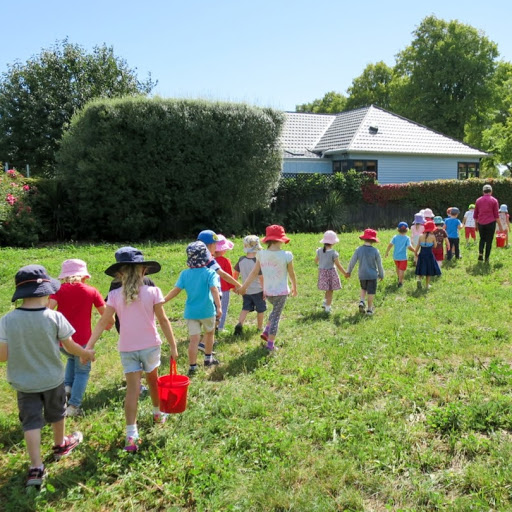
pixel 156 168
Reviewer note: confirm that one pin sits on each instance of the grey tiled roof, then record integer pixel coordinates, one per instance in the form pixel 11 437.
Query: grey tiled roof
pixel 302 132
pixel 366 130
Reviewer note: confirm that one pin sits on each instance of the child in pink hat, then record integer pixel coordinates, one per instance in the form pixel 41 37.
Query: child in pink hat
pixel 327 260
pixel 75 300
pixel 370 268
pixel 276 266
pixel 222 246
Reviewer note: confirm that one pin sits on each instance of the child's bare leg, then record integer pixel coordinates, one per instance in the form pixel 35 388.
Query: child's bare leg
pixel 132 397
pixel 243 316
pixel 370 301
pixel 33 442
pixel 400 276
pixel 363 295
pixel 328 297
pixel 192 348
pixel 151 379
pixel 208 339
pixel 427 280
pixel 260 319
pixel 58 432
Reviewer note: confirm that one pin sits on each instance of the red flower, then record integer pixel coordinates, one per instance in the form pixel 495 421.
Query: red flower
pixel 26 188
pixel 11 199
pixel 12 173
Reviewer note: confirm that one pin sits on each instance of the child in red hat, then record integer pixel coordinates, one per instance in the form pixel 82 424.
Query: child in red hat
pixel 370 268
pixel 427 265
pixel 276 266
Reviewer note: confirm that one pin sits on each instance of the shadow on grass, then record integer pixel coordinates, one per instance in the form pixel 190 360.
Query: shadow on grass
pixel 482 269
pixel 340 321
pixel 313 316
pixel 61 478
pixel 246 363
pixel 114 393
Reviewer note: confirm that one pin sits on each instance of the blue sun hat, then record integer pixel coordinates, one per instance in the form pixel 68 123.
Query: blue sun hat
pixel 418 219
pixel 208 237
pixel 198 255
pixel 402 226
pixel 34 281
pixel 438 220
pixel 504 208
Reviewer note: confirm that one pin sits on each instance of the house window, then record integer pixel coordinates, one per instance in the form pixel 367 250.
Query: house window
pixel 358 165
pixel 468 170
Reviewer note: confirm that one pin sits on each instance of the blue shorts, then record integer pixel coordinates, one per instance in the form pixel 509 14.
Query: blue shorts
pixel 141 360
pixel 255 301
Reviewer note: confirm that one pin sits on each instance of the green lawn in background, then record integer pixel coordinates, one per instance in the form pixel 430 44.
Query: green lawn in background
pixel 410 409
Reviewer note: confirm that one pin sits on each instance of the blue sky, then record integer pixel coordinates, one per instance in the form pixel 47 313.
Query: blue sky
pixel 267 53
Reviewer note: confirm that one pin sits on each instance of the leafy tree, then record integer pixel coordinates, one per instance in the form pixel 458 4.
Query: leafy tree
pixel 371 87
pixel 332 103
pixel 446 76
pixel 38 98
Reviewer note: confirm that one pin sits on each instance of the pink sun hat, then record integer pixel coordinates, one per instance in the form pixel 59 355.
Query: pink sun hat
pixel 329 238
pixel 223 244
pixel 74 268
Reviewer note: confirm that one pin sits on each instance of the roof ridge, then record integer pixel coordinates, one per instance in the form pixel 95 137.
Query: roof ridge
pixel 359 127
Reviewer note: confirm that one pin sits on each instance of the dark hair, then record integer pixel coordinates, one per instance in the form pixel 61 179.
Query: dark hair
pixel 325 247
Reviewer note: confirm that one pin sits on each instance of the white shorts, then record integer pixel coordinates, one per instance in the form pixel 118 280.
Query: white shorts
pixel 194 326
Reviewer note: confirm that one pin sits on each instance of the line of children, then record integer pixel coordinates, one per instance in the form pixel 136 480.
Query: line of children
pixel 328 261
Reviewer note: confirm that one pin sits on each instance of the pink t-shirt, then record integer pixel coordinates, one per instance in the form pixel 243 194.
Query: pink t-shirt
pixel 138 326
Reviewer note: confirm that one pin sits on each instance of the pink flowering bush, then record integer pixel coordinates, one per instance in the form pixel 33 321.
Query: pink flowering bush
pixel 18 226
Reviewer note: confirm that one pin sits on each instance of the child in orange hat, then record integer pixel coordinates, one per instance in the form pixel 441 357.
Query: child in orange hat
pixel 370 268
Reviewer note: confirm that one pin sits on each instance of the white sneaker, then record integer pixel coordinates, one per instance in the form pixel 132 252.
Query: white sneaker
pixel 324 304
pixel 370 311
pixel 362 306
pixel 327 309
pixel 72 411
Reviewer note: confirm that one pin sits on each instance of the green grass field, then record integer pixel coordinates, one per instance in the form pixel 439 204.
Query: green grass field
pixel 408 410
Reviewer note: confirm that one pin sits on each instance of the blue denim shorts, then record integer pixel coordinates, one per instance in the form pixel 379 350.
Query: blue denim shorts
pixel 254 301
pixel 141 360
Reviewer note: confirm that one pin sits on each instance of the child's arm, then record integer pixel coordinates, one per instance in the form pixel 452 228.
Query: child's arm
pixel 293 279
pixel 75 349
pixel 317 259
pixel 166 327
pixel 216 299
pixel 250 278
pixel 224 275
pixel 106 319
pixel 352 263
pixel 388 249
pixel 101 310
pixel 411 248
pixel 175 291
pixel 339 266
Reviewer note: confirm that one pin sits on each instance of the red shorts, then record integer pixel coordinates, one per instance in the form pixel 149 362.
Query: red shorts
pixel 438 253
pixel 401 264
pixel 470 232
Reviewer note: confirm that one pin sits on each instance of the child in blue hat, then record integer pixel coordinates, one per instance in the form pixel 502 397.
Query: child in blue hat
pixel 400 243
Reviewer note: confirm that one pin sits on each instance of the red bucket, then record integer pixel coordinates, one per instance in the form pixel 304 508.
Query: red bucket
pixel 500 240
pixel 172 391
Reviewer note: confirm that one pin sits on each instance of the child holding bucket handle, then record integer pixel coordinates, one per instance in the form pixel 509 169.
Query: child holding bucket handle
pixel 137 305
pixel 202 306
pixel 327 260
pixel 75 300
pixel 276 266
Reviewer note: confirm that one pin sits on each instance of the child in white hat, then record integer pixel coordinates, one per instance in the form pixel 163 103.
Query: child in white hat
pixel 327 260
pixel 505 222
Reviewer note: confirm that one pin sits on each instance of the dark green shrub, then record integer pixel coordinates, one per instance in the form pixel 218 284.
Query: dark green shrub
pixel 154 168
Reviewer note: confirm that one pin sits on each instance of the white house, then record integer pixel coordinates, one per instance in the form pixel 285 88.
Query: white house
pixel 373 139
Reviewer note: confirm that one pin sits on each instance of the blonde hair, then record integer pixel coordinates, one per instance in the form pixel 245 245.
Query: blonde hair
pixel 73 279
pixel 132 278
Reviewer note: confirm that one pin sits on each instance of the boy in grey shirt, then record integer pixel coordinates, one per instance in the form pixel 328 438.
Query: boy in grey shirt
pixel 253 299
pixel 370 268
pixel 29 342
